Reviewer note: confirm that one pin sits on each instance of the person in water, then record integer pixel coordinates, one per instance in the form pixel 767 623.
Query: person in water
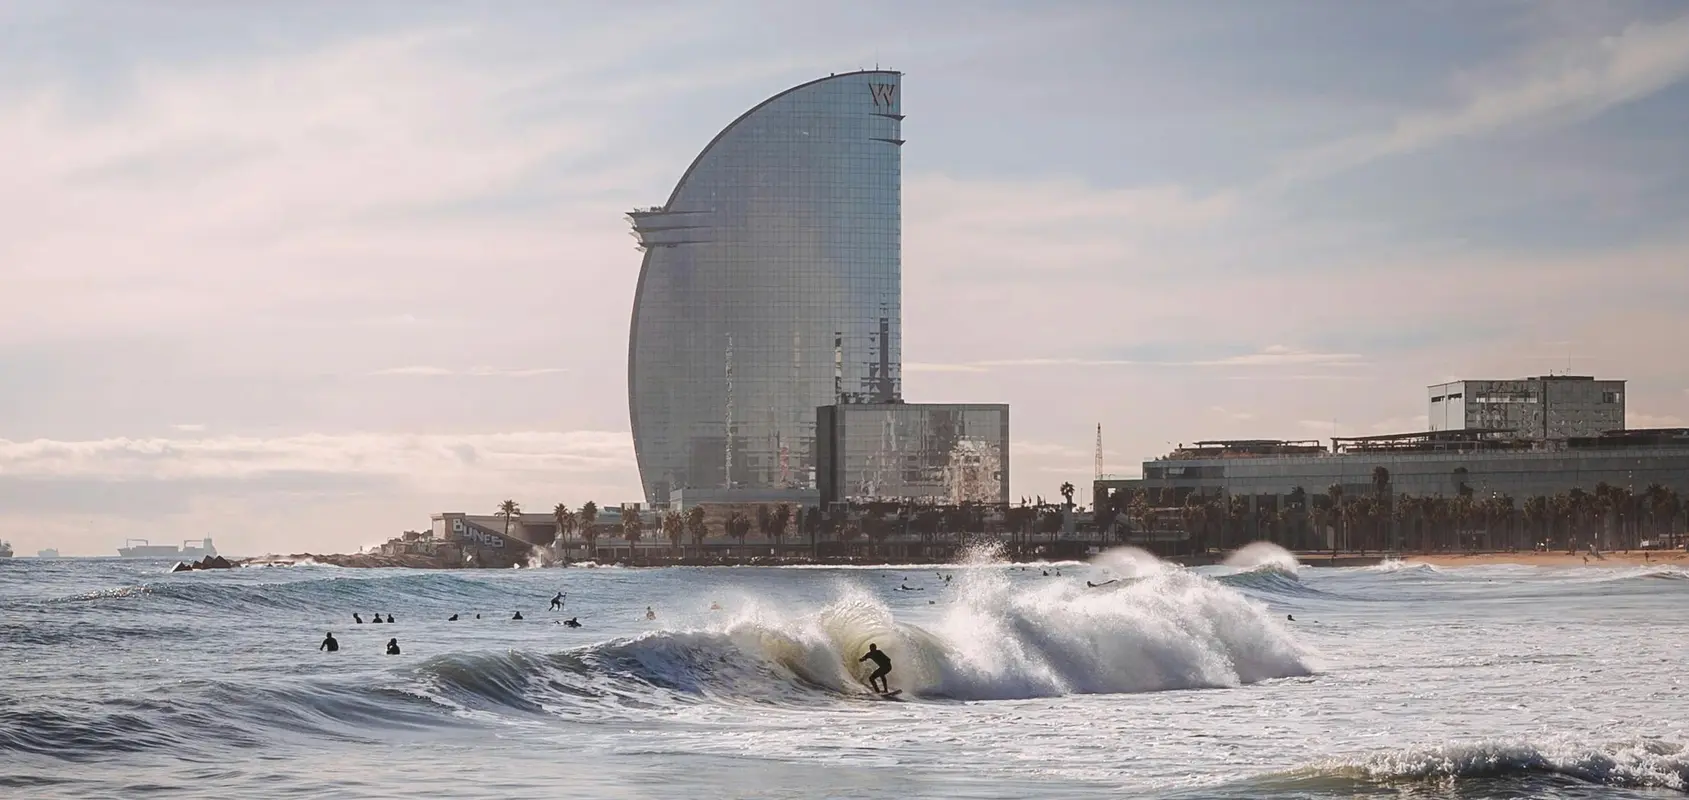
pixel 392 647
pixel 389 616
pixel 452 618
pixel 518 616
pixel 877 680
pixel 571 622
pixel 329 644
pixel 649 614
pixel 358 619
pixel 557 602
pixel 377 620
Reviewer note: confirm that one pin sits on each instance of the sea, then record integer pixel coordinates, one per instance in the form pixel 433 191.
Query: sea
pixel 1122 677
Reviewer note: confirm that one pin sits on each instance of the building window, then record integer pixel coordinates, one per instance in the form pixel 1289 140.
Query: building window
pixel 1611 397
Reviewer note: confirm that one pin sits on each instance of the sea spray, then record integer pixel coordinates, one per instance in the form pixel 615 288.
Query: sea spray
pixel 1130 562
pixel 997 640
pixel 1263 554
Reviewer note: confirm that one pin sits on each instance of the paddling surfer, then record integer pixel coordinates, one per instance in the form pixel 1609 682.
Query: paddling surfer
pixel 877 680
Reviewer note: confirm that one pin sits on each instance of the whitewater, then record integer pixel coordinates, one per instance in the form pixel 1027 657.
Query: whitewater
pixel 1120 677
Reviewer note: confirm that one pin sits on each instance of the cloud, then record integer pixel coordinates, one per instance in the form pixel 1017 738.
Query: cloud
pixel 917 366
pixel 1552 83
pixel 472 372
pixel 1236 416
pixel 1637 419
pixel 427 458
pixel 1271 356
pixel 189 427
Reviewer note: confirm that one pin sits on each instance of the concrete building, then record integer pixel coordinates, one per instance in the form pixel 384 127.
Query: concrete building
pixel 1545 408
pixel 933 453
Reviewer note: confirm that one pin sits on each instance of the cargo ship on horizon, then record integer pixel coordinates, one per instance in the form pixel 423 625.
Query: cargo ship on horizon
pixel 189 551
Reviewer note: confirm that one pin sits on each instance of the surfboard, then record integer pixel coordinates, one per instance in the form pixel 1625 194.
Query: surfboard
pixel 891 695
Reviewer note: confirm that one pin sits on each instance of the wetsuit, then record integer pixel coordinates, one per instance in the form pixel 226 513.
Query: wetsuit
pixel 330 645
pixel 393 647
pixel 883 662
pixel 557 602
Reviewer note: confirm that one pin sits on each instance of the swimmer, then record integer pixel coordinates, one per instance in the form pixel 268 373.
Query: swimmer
pixel 714 606
pixel 1291 617
pixel 329 644
pixel 392 647
pixel 389 616
pixel 649 614
pixel 517 617
pixel 377 619
pixel 571 622
pixel 452 618
pixel 357 619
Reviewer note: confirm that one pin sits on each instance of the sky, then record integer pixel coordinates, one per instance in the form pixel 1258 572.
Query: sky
pixel 298 275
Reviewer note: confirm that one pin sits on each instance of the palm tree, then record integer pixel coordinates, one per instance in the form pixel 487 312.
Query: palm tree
pixel 589 528
pixel 509 510
pixel 777 525
pixel 1067 492
pixel 737 526
pixel 633 528
pixel 695 526
pixel 674 527
pixel 565 520
pixel 765 520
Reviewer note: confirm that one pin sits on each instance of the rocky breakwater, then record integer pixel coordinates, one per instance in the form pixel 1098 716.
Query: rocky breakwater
pixel 356 560
pixel 209 562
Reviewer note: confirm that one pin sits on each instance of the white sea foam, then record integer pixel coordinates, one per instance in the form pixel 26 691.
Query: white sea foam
pixel 1263 554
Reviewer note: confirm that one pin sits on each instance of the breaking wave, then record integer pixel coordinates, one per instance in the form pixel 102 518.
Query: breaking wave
pixel 1176 630
pixel 1512 769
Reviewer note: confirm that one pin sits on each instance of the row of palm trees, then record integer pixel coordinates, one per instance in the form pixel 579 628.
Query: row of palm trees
pixel 1609 517
pixel 875 522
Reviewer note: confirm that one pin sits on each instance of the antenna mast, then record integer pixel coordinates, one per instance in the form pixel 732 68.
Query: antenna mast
pixel 1099 464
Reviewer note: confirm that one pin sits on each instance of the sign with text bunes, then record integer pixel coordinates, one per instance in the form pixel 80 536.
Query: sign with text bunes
pixel 884 94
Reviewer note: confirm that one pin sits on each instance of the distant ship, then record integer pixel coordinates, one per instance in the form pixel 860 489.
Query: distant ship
pixel 48 553
pixel 5 549
pixel 189 551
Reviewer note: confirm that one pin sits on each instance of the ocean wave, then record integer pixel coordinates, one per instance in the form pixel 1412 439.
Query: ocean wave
pixel 1396 566
pixel 1176 630
pixel 340 592
pixel 1270 580
pixel 1513 768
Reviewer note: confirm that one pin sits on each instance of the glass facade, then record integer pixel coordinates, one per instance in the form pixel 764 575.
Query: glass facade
pixel 771 285
pixel 938 453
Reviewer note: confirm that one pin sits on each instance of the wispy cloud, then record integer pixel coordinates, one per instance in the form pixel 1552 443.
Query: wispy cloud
pixel 472 372
pixel 1270 356
pixel 1556 82
pixel 189 427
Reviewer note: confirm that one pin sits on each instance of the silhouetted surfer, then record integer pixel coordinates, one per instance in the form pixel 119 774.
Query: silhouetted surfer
pixel 1290 617
pixel 877 680
pixel 329 644
pixel 649 614
pixel 392 647
pixel 358 619
pixel 557 602
pixel 571 623
pixel 389 617
pixel 452 618
pixel 377 620
pixel 518 616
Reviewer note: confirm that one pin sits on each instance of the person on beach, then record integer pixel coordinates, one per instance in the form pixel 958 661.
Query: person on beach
pixel 557 602
pixel 392 647
pixel 329 644
pixel 877 680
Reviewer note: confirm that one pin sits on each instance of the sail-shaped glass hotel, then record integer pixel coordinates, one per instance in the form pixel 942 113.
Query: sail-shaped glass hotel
pixel 771 286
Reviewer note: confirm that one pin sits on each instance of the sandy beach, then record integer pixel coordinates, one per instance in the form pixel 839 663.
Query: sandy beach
pixel 1555 559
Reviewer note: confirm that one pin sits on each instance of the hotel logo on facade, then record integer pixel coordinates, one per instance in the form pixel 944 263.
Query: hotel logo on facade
pixel 883 93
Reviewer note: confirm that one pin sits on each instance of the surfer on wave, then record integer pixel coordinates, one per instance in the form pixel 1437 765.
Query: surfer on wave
pixel 877 680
